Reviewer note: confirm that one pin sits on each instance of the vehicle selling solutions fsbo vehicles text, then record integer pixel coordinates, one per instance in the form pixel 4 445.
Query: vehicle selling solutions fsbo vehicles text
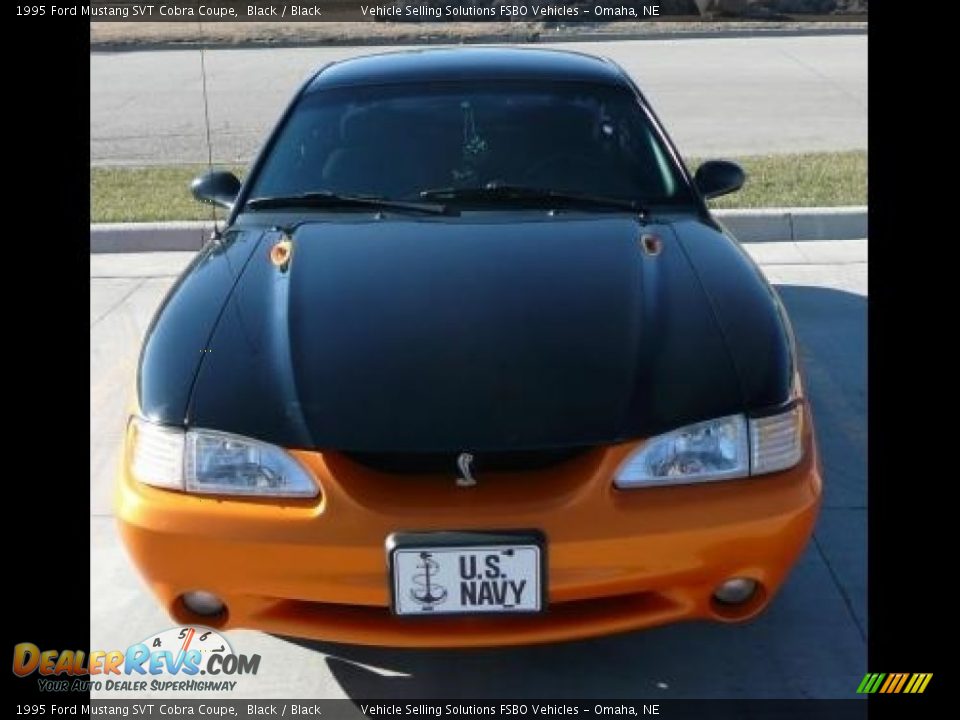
pixel 508 11
pixel 395 709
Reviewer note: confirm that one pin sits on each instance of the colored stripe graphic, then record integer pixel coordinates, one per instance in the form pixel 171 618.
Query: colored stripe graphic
pixel 894 683
pixel 862 687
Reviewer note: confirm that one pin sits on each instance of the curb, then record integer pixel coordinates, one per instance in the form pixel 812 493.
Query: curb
pixel 748 225
pixel 538 36
pixel 148 237
pixel 795 224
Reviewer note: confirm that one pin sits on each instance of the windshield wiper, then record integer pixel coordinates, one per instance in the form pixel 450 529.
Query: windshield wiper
pixel 539 196
pixel 325 199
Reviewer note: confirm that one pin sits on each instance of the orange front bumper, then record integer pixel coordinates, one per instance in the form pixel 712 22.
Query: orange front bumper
pixel 617 559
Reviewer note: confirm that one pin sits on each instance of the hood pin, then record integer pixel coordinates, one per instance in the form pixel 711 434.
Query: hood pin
pixel 280 253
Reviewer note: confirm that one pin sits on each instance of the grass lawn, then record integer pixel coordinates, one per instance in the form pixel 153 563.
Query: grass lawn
pixel 142 194
pixel 807 180
pixel 132 194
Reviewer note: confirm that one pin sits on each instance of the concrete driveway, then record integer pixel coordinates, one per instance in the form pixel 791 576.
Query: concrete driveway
pixel 721 96
pixel 810 643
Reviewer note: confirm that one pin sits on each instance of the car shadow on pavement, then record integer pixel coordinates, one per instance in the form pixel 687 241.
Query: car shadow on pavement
pixel 809 643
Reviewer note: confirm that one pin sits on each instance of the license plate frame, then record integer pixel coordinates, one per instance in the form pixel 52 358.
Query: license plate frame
pixel 449 542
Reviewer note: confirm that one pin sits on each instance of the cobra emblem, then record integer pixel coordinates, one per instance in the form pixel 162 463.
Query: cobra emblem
pixel 465 478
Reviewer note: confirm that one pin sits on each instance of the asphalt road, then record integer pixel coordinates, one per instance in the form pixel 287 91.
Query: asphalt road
pixel 811 642
pixel 730 96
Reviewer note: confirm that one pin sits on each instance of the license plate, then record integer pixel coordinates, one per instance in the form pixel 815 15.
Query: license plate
pixel 466 573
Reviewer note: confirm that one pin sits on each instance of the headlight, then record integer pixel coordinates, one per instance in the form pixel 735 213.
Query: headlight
pixel 205 461
pixel 722 449
pixel 712 450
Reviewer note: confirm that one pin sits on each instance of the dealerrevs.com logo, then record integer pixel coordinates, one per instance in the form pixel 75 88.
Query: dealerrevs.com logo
pixel 189 658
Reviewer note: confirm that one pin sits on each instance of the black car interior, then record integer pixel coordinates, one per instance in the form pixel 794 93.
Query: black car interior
pixel 401 144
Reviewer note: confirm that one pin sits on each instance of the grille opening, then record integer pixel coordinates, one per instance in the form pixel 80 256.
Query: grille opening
pixel 436 463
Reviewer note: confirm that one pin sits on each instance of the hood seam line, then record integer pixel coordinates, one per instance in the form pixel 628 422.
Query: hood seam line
pixel 215 324
pixel 731 358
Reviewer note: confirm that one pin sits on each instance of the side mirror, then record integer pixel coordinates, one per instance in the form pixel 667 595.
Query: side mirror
pixel 719 177
pixel 217 188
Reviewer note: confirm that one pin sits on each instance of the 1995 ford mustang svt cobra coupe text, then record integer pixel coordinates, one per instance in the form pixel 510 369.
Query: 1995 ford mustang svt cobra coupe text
pixel 470 364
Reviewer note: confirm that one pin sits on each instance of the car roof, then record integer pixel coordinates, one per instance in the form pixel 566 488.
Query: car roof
pixel 476 63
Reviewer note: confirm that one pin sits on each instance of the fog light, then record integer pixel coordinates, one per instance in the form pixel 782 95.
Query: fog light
pixel 202 603
pixel 735 591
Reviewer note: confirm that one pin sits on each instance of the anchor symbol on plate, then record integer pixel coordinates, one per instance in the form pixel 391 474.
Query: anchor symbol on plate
pixel 428 593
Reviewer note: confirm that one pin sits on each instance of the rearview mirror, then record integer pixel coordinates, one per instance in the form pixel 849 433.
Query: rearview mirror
pixel 719 177
pixel 217 188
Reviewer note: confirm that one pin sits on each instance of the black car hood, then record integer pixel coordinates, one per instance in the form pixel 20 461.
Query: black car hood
pixel 448 334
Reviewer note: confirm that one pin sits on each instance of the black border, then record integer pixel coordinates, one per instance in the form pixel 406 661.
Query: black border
pixel 911 370
pixel 910 563
pixel 468 538
pixel 47 332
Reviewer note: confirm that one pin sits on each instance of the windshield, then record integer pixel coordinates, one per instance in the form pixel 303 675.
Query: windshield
pixel 399 141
